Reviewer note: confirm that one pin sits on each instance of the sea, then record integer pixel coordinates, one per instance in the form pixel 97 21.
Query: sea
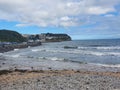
pixel 100 52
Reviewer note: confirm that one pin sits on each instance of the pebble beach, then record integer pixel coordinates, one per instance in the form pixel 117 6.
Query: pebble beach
pixel 60 80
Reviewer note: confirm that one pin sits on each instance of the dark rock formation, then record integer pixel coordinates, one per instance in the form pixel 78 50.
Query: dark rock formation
pixel 70 47
pixel 6 48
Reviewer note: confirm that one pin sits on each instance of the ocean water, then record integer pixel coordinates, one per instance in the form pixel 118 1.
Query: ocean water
pixel 105 52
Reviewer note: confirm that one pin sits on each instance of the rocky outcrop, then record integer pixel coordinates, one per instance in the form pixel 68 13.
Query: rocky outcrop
pixel 6 48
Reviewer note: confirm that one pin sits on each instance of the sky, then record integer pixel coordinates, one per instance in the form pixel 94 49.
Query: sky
pixel 81 19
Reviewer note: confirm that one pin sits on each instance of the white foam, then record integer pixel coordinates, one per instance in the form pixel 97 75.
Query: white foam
pixel 29 46
pixel 86 52
pixel 43 58
pixel 106 65
pixel 1 53
pixel 96 53
pixel 103 53
pixel 34 50
pixel 56 59
pixel 52 58
pixel 16 49
pixel 108 48
pixel 15 56
pixel 77 52
pixel 84 47
pixel 101 48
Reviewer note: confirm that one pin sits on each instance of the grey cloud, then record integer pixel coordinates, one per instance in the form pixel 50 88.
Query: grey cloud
pixel 45 13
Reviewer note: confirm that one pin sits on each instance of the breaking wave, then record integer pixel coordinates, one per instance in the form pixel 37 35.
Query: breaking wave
pixel 36 50
pixel 100 48
pixel 1 53
pixel 16 49
pixel 85 52
pixel 13 56
pixel 107 65
pixel 108 48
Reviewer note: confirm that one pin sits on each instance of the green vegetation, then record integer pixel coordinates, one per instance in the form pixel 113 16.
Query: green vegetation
pixel 11 36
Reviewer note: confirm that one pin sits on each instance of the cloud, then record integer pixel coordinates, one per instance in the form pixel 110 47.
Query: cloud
pixel 63 13
pixel 100 10
pixel 101 25
pixel 22 25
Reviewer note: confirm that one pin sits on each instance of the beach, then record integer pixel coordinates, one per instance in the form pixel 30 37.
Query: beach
pixel 64 76
pixel 60 80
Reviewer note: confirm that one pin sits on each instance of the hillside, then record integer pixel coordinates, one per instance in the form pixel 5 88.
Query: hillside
pixel 11 36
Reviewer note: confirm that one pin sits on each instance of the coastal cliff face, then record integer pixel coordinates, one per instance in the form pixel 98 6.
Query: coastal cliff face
pixel 11 36
pixel 49 37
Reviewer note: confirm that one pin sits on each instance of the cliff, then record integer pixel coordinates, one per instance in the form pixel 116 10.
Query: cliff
pixel 11 36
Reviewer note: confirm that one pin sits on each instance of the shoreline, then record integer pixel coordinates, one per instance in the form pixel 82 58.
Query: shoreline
pixel 86 77
pixel 6 48
pixel 107 73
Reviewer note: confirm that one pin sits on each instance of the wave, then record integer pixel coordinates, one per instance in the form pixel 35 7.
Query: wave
pixel 81 52
pixel 85 48
pixel 102 53
pixel 44 58
pixel 106 65
pixel 14 56
pixel 96 53
pixel 53 58
pixel 100 48
pixel 36 50
pixel 16 49
pixel 56 59
pixel 96 45
pixel 108 48
pixel 1 53
pixel 61 59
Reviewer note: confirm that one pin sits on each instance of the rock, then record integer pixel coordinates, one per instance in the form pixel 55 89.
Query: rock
pixel 70 47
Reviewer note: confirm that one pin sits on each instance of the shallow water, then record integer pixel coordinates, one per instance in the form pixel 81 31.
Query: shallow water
pixel 100 52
